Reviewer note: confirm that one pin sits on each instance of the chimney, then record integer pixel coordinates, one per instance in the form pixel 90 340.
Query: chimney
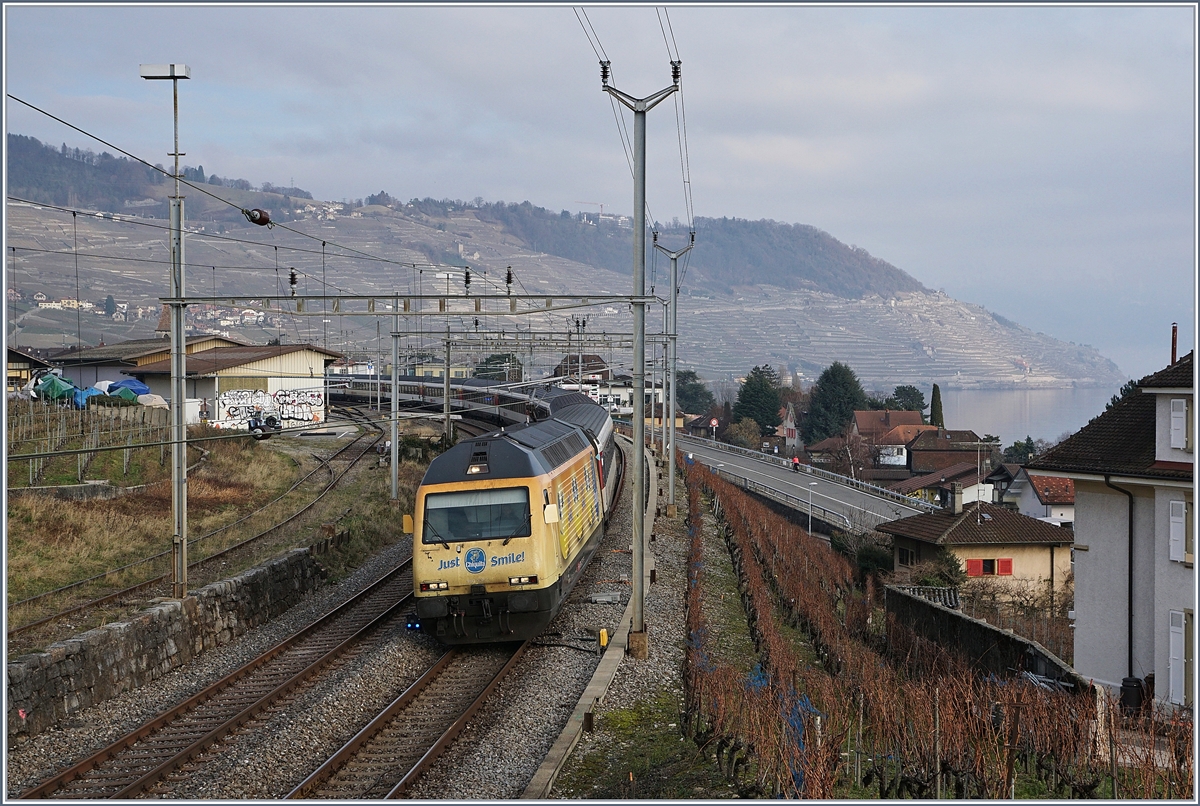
pixel 1174 341
pixel 956 498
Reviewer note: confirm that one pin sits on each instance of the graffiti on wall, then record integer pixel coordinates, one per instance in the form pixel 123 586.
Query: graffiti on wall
pixel 306 405
pixel 236 406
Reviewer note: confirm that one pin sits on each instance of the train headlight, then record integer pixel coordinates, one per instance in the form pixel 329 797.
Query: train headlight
pixel 473 469
pixel 530 580
pixel 434 586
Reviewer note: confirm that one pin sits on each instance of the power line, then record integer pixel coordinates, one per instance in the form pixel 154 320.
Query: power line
pixel 193 186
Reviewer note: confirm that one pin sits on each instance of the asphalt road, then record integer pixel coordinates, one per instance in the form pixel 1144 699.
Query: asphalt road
pixel 860 509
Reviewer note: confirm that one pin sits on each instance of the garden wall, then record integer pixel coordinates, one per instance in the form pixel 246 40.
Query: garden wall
pixel 46 687
pixel 984 645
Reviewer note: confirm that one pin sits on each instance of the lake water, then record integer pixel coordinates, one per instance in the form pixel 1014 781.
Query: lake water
pixel 1013 414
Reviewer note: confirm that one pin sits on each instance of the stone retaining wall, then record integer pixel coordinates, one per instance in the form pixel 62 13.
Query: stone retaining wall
pixel 986 646
pixel 46 687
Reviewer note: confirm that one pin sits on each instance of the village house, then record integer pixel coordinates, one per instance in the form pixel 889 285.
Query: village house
pixel 1132 468
pixel 21 367
pixel 935 449
pixel 937 487
pixel 989 540
pixel 1051 498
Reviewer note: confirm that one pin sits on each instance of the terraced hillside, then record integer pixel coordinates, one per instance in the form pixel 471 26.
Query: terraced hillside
pixel 909 336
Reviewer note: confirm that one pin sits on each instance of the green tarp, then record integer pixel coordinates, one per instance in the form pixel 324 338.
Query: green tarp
pixel 126 394
pixel 53 387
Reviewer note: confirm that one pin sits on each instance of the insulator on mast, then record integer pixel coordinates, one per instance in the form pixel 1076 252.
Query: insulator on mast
pixel 604 72
pixel 675 71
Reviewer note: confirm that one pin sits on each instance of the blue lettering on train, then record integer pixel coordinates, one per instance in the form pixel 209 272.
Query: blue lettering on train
pixel 511 558
pixel 475 560
pixel 444 564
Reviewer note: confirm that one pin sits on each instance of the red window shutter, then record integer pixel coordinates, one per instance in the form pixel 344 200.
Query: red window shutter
pixel 974 568
pixel 1004 567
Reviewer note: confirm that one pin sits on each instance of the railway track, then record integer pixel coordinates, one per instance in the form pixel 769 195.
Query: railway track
pixel 406 738
pixel 367 442
pixel 172 739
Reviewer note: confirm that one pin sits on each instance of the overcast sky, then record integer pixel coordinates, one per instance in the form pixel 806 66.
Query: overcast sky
pixel 1038 161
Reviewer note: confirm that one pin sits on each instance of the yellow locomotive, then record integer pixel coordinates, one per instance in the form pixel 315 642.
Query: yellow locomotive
pixel 505 524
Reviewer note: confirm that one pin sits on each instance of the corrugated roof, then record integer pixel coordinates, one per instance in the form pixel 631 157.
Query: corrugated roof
pixel 1121 440
pixel 220 358
pixel 979 523
pixel 129 350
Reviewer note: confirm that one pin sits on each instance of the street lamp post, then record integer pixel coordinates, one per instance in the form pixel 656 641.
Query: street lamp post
pixel 811 484
pixel 174 72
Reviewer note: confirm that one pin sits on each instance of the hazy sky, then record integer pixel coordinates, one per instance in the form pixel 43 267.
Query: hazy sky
pixel 1038 161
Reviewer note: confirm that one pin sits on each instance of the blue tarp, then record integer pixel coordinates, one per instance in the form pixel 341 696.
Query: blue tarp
pixel 132 384
pixel 79 399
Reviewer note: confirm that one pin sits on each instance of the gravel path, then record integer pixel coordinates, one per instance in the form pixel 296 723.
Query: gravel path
pixel 493 758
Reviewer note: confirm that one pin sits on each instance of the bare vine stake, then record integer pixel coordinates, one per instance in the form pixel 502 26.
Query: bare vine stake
pixel 858 744
pixel 937 746
pixel 1112 746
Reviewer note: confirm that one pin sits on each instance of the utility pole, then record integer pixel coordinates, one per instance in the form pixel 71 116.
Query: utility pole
pixel 446 392
pixel 639 645
pixel 395 457
pixel 673 335
pixel 174 72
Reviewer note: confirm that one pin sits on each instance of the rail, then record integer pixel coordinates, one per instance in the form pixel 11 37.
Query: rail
pixel 816 472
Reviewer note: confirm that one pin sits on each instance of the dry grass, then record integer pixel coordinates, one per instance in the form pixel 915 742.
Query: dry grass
pixel 53 542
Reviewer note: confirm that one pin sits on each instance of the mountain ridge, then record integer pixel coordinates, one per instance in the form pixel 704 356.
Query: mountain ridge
pixel 789 294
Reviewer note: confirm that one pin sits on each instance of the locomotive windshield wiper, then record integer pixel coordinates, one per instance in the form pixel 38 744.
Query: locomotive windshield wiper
pixel 436 534
pixel 524 525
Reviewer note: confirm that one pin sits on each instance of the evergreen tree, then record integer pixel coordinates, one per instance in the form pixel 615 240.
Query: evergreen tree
pixel 907 398
pixel 1128 389
pixel 835 397
pixel 691 394
pixel 500 367
pixel 935 408
pixel 758 399
pixel 110 305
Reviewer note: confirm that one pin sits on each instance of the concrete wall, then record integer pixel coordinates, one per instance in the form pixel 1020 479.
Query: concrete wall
pixel 46 687
pixel 1102 582
pixel 992 648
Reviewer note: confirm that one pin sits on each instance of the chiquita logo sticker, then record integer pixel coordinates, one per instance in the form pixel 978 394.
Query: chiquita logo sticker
pixel 475 560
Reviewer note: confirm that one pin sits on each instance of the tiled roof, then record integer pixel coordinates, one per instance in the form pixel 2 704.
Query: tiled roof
pixel 1176 376
pixel 1053 489
pixel 220 358
pixel 877 423
pixel 979 523
pixel 903 434
pixel 944 439
pixel 827 444
pixel 938 478
pixel 1120 440
pixel 946 597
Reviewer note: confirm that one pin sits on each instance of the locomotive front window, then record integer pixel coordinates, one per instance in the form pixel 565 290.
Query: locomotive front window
pixel 476 515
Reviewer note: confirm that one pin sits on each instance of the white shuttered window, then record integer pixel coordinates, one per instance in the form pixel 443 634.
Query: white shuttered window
pixel 1175 659
pixel 1179 423
pixel 1178 529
